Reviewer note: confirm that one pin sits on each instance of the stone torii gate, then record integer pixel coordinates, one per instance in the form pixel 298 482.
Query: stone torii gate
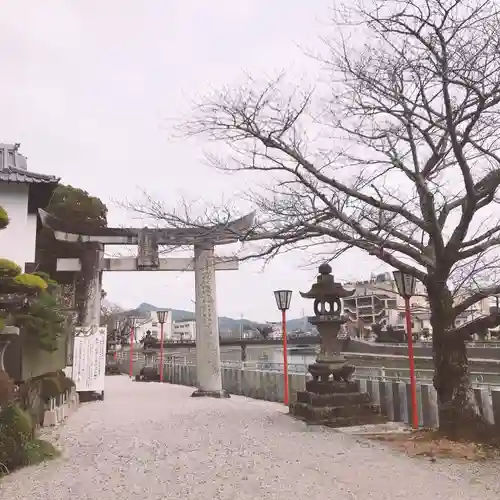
pixel 204 265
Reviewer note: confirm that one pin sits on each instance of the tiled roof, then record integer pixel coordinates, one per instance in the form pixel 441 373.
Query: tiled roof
pixel 20 176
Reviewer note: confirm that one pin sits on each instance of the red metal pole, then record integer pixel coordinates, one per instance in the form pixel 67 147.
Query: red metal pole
pixel 285 357
pixel 413 380
pixel 131 363
pixel 161 352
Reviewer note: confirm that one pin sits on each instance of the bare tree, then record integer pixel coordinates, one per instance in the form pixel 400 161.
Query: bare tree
pixel 396 154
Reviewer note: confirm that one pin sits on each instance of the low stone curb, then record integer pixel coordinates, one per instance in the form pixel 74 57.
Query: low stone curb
pixel 56 415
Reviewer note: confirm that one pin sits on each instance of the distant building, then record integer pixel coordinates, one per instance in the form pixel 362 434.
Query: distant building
pixel 184 330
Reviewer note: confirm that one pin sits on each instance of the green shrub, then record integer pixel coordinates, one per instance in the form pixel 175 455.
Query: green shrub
pixel 43 321
pixel 4 218
pixel 9 269
pixel 16 431
pixel 30 281
pixel 52 285
pixel 37 451
pixel 42 275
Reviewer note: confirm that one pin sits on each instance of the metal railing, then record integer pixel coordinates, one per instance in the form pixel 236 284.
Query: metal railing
pixel 478 379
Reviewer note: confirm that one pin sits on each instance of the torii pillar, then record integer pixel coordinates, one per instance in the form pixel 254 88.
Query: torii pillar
pixel 91 267
pixel 208 365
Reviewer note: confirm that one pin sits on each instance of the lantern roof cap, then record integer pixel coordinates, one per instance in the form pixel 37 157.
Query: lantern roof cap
pixel 326 287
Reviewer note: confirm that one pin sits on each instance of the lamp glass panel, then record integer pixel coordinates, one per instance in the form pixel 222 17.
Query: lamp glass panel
pixel 161 316
pixel 398 278
pixel 283 299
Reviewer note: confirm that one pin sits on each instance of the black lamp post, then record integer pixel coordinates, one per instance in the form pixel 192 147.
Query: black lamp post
pixel 283 299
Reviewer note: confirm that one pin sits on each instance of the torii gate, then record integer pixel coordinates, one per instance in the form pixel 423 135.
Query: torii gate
pixel 204 265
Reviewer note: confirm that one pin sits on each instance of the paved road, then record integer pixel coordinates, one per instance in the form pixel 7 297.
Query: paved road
pixel 154 442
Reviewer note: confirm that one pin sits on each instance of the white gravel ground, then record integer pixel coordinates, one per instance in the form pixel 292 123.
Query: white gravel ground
pixel 152 442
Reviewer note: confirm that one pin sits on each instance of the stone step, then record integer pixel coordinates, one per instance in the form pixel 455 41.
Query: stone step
pixel 328 413
pixel 331 387
pixel 337 399
pixel 355 419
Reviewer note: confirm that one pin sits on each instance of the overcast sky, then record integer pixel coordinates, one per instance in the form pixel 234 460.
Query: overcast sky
pixel 90 88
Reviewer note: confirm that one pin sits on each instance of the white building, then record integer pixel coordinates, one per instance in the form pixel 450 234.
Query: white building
pixel 184 330
pixel 22 193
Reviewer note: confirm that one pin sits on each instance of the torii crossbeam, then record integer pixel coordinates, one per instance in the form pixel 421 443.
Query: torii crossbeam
pixel 204 265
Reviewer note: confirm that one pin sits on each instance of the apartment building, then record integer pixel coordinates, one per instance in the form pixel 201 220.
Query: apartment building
pixel 377 300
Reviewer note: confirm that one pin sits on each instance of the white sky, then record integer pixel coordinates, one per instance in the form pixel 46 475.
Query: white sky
pixel 90 89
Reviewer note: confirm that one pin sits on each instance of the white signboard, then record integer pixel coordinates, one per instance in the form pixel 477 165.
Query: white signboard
pixel 89 358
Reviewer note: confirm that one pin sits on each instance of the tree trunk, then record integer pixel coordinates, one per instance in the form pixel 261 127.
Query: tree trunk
pixel 459 414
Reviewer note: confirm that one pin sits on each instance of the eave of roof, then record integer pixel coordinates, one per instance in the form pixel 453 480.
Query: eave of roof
pixel 19 176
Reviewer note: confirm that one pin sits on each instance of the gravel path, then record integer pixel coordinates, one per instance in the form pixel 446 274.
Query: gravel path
pixel 154 442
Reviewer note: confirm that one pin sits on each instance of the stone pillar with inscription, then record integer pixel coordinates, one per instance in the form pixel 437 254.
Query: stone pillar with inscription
pixel 90 313
pixel 208 366
pixel 331 397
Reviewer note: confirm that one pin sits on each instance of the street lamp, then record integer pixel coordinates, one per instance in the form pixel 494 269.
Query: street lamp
pixel 132 335
pixel 406 288
pixel 162 313
pixel 283 299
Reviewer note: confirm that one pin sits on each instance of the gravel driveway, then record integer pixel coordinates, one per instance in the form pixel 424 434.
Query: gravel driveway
pixel 148 441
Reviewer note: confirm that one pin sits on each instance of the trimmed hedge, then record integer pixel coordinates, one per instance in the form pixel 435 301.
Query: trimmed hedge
pixel 55 384
pixel 9 269
pixel 30 281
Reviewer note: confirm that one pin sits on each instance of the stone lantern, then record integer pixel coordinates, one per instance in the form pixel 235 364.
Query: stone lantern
pixel 327 295
pixel 331 397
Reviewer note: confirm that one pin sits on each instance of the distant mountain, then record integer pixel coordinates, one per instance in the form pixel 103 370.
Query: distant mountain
pixel 225 323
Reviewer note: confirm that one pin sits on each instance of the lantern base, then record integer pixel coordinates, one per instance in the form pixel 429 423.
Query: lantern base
pixel 338 369
pixel 199 393
pixel 335 403
pixel 148 374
